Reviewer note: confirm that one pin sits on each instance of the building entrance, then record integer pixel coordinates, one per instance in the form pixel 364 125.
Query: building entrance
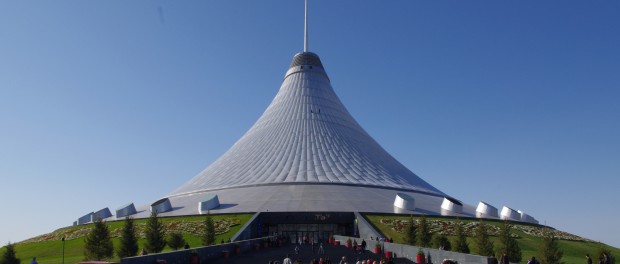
pixel 306 237
pixel 305 233
pixel 306 227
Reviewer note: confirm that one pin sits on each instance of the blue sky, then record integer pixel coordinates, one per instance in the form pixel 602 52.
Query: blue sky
pixel 514 103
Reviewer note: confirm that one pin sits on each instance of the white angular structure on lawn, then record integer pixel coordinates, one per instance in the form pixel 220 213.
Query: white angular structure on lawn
pixel 404 201
pixel 210 202
pixel 510 214
pixel 451 205
pixel 485 210
pixel 101 214
pixel 85 219
pixel 161 206
pixel 527 218
pixel 125 211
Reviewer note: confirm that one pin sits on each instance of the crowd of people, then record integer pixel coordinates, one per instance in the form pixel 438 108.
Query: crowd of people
pixel 343 260
pixel 358 250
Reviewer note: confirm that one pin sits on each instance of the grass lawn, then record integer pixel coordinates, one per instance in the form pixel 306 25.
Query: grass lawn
pixel 574 250
pixel 48 248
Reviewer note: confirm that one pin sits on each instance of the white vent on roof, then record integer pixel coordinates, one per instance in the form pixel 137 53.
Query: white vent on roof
pixel 210 202
pixel 161 206
pixel 125 211
pixel 452 205
pixel 485 210
pixel 404 201
pixel 527 218
pixel 510 214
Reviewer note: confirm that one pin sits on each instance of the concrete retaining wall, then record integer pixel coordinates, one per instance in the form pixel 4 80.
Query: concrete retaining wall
pixel 410 252
pixel 204 253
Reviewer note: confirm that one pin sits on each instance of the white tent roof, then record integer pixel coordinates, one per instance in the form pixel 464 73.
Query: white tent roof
pixel 306 136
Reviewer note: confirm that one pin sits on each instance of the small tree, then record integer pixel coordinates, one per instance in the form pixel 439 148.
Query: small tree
pixel 550 252
pixel 441 241
pixel 208 237
pixel 483 241
pixel 98 244
pixel 128 241
pixel 461 245
pixel 175 240
pixel 424 234
pixel 410 235
pixel 155 234
pixel 508 244
pixel 9 256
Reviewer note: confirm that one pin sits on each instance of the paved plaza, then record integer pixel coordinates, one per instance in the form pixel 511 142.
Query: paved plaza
pixel 335 253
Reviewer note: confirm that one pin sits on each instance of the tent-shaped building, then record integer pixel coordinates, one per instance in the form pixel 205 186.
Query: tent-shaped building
pixel 306 154
pixel 306 161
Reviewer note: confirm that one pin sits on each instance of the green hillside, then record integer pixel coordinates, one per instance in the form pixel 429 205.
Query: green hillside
pixel 529 237
pixel 47 248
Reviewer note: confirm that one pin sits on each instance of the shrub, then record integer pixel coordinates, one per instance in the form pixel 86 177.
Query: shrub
pixel 483 241
pixel 155 234
pixel 508 244
pixel 424 235
pixel 9 256
pixel 461 245
pixel 98 244
pixel 550 252
pixel 175 240
pixel 208 237
pixel 128 241
pixel 410 236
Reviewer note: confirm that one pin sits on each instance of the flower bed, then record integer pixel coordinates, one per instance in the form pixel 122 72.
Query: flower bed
pixel 194 227
pixel 448 228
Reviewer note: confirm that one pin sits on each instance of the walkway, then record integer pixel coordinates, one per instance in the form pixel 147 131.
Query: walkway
pixel 335 253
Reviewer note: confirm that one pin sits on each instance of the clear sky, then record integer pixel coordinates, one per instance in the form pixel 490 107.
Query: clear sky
pixel 515 103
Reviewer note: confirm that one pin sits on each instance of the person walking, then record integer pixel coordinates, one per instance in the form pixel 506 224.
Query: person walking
pixel 588 259
pixel 287 260
pixel 606 258
pixel 312 245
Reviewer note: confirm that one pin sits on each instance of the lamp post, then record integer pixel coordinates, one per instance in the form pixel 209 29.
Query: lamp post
pixel 63 250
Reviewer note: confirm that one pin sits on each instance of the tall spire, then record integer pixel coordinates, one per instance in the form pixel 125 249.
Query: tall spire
pixel 306 28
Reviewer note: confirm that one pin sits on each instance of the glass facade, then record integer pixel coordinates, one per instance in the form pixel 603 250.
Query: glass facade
pixel 306 233
pixel 306 227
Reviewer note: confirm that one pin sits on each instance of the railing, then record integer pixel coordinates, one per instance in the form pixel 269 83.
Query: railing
pixel 410 252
